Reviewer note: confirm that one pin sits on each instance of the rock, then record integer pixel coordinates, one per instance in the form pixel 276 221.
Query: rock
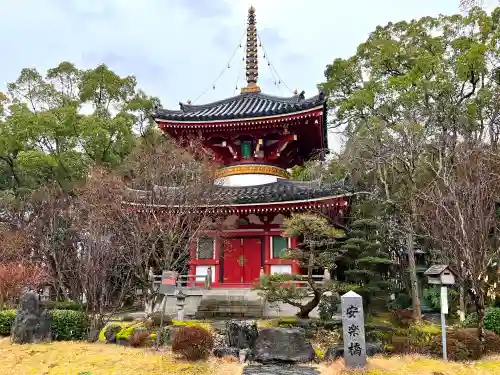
pixel 374 348
pixel 241 334
pixel 32 323
pixel 282 345
pixel 334 352
pixel 337 351
pixel 279 370
pixel 220 352
pixel 110 333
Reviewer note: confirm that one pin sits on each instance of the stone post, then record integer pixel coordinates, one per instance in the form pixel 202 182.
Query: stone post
pixel 353 326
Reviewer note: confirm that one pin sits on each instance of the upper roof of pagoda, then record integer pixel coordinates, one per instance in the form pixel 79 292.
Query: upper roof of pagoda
pixel 247 105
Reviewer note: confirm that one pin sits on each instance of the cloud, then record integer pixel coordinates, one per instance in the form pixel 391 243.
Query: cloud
pixel 177 48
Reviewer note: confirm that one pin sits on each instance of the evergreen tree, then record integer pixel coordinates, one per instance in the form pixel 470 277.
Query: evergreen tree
pixel 366 262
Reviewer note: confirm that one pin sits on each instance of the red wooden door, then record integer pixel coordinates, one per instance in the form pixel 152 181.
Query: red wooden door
pixel 233 272
pixel 252 259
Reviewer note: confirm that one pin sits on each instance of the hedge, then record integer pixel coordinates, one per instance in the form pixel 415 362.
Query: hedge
pixel 491 320
pixel 66 324
pixel 6 321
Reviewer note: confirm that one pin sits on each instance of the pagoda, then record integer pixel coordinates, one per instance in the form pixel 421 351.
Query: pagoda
pixel 256 139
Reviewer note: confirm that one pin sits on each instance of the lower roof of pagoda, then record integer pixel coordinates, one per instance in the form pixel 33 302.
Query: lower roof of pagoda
pixel 249 105
pixel 281 192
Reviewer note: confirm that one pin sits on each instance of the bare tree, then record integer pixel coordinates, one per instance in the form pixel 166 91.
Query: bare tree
pixel 459 213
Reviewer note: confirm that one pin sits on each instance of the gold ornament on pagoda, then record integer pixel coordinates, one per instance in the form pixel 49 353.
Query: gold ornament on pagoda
pixel 252 169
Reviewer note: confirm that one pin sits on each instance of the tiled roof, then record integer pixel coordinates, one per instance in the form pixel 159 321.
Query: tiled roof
pixel 245 105
pixel 275 192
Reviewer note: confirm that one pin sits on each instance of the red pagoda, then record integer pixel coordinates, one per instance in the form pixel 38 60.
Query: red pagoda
pixel 256 139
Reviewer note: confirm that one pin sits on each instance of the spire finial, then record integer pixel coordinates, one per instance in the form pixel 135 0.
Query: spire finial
pixel 252 64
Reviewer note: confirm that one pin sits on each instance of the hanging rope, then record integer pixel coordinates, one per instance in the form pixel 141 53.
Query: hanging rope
pixel 241 69
pixel 226 67
pixel 273 70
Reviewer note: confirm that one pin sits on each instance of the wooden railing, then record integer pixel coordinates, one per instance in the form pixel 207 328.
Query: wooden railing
pixel 205 281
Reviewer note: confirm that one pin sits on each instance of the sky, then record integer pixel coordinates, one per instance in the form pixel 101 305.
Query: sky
pixel 177 48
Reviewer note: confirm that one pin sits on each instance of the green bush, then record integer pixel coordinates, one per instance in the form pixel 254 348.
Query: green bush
pixel 69 325
pixel 156 319
pixel 328 306
pixel 63 305
pixel 6 321
pixel 125 333
pixel 491 320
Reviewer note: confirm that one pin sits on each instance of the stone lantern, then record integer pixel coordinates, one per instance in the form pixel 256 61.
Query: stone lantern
pixel 180 302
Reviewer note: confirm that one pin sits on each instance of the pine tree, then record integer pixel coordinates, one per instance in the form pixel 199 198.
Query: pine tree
pixel 366 262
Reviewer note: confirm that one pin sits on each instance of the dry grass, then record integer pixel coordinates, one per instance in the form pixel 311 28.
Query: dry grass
pixel 74 358
pixel 417 365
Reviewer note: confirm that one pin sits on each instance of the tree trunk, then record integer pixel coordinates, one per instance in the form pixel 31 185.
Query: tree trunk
pixel 310 306
pixel 479 302
pixel 462 303
pixel 415 297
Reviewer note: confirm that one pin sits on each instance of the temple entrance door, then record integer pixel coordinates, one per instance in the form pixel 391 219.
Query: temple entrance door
pixel 242 260
pixel 233 272
pixel 252 257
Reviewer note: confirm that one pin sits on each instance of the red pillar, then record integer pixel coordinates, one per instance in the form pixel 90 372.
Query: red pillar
pixel 295 263
pixel 267 253
pixel 217 244
pixel 192 258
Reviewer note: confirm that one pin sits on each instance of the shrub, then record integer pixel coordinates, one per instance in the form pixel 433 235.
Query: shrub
pixel 461 345
pixel 328 307
pixel 402 317
pixel 491 320
pixel 194 323
pixel 125 333
pixel 69 325
pixel 128 318
pixel 102 333
pixel 6 321
pixel 63 305
pixel 156 319
pixel 139 339
pixel 193 343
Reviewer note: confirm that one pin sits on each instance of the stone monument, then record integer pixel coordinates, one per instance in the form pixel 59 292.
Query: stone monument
pixel 32 324
pixel 353 326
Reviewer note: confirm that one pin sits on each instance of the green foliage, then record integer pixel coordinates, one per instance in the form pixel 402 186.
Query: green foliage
pixel 491 320
pixel 193 343
pixel 156 319
pixel 193 323
pixel 328 306
pixel 47 139
pixel 122 325
pixel 7 318
pixel 319 247
pixel 125 333
pixel 365 261
pixel 433 295
pixel 63 305
pixel 69 325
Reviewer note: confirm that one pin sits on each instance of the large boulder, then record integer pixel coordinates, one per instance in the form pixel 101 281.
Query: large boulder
pixel 111 332
pixel 287 345
pixel 241 334
pixel 221 352
pixel 32 324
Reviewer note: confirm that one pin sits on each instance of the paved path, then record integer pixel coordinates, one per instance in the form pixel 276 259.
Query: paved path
pixel 279 370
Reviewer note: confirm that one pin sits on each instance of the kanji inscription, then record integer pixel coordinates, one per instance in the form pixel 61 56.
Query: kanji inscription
pixel 353 326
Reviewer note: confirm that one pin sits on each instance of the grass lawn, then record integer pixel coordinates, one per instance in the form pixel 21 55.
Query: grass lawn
pixel 72 358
